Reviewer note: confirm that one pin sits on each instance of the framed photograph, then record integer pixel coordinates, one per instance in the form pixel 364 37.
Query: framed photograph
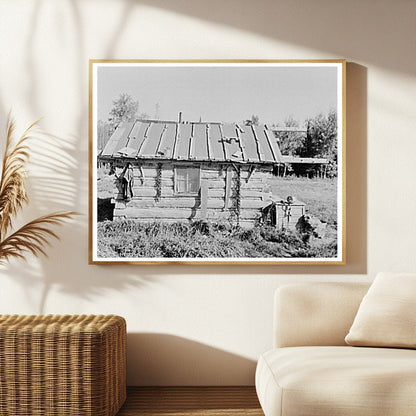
pixel 209 162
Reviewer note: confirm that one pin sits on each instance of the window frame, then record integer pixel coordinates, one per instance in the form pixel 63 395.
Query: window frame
pixel 176 177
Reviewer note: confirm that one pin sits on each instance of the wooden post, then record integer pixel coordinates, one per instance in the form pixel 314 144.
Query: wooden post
pixel 204 199
pixel 228 178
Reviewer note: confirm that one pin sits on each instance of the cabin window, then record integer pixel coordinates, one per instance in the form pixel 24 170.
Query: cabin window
pixel 187 180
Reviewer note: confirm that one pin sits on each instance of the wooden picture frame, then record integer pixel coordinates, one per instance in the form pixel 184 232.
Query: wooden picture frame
pixel 217 162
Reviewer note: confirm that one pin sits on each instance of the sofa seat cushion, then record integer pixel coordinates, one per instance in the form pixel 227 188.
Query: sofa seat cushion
pixel 342 381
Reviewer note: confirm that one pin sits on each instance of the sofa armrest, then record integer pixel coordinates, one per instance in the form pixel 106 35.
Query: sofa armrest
pixel 309 314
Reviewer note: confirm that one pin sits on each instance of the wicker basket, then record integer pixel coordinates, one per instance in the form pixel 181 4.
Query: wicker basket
pixel 72 365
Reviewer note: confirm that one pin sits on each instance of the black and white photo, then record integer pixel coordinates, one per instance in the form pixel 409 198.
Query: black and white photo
pixel 217 161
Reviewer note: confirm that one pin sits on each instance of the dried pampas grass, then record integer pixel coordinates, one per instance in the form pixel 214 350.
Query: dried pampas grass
pixel 34 236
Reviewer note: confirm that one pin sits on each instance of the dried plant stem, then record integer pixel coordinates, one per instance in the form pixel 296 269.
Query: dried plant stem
pixel 34 236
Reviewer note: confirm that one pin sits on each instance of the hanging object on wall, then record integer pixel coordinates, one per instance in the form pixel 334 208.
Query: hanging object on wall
pixel 243 162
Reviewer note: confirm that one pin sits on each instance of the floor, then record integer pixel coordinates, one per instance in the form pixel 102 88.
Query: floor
pixel 187 401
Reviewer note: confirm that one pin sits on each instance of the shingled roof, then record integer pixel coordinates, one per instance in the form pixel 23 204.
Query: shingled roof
pixel 196 141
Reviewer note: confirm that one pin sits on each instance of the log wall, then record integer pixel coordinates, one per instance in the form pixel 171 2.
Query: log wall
pixel 154 202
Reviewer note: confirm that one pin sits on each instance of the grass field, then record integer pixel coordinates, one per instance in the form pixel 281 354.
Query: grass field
pixel 319 195
pixel 127 238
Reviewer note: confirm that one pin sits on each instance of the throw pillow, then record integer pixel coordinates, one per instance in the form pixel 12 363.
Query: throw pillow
pixel 387 314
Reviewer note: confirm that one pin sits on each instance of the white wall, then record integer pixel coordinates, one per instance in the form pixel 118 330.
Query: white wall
pixel 204 324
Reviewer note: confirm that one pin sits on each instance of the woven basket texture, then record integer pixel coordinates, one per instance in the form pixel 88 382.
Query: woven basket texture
pixel 56 365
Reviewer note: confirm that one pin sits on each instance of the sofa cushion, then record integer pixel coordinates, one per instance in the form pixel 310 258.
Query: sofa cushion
pixel 342 381
pixel 387 314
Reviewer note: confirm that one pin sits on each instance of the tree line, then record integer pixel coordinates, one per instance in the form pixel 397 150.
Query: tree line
pixel 319 141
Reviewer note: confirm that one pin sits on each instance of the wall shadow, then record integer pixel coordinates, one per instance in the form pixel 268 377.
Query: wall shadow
pixel 63 184
pixel 169 360
pixel 356 156
pixel 37 285
pixel 57 181
pixel 338 28
pixel 53 187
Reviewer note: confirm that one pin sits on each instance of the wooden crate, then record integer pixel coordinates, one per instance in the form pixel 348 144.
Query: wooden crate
pixel 283 213
pixel 56 365
pixel 288 214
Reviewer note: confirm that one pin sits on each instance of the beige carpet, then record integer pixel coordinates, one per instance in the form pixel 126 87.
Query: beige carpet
pixel 187 401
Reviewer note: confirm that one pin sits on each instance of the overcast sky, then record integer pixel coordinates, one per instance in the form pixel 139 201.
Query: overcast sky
pixel 220 93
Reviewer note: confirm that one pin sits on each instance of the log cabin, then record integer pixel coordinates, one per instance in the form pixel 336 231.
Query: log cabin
pixel 173 171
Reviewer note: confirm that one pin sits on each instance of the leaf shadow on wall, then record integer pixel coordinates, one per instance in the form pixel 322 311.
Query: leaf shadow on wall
pixel 52 188
pixel 59 182
pixel 164 359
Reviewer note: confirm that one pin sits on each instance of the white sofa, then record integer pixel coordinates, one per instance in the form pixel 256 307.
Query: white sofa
pixel 311 371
